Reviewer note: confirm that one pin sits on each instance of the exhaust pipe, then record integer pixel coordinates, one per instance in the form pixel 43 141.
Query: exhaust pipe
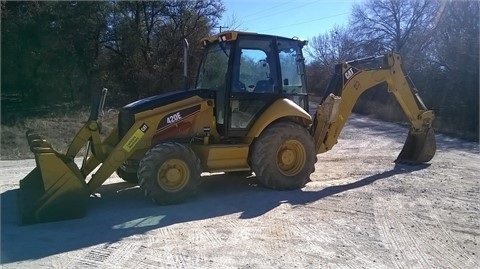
pixel 186 47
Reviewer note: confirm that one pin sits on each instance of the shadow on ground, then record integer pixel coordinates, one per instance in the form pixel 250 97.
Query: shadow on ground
pixel 123 211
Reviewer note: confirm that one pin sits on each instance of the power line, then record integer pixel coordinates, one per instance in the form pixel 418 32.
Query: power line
pixel 267 9
pixel 282 11
pixel 319 19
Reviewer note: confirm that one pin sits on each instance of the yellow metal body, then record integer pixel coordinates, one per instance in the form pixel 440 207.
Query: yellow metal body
pixel 333 113
pixel 173 175
pixel 48 191
pixel 57 189
pixel 223 158
pixel 291 157
pixel 280 109
pixel 136 142
pixel 57 179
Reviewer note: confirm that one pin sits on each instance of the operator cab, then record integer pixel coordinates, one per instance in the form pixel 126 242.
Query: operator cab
pixel 247 72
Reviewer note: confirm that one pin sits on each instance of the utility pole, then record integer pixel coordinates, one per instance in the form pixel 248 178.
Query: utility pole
pixel 220 27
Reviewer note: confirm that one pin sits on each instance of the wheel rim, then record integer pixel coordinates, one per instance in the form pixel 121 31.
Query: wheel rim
pixel 291 157
pixel 173 175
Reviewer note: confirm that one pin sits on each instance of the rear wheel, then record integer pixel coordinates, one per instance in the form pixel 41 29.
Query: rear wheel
pixel 169 173
pixel 283 157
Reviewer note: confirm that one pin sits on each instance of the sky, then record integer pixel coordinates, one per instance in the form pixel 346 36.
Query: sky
pixel 289 18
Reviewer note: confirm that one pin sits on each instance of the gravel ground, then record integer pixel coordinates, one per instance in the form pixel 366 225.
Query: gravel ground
pixel 359 211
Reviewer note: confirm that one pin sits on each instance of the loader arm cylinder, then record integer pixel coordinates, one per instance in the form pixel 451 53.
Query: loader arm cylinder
pixel 96 117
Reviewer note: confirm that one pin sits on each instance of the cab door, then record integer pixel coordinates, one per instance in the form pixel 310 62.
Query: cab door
pixel 254 84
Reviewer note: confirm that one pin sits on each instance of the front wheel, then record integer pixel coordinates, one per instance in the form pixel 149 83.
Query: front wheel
pixel 283 157
pixel 169 173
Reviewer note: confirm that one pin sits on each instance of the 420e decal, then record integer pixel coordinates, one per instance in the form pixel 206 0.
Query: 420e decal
pixel 178 116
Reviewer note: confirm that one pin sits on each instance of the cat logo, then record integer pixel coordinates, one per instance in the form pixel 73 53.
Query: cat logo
pixel 349 73
pixel 133 140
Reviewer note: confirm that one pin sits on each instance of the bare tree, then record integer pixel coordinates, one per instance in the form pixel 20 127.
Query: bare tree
pixel 453 68
pixel 398 25
pixel 232 23
pixel 333 47
pixel 145 41
pixel 439 43
pixel 326 50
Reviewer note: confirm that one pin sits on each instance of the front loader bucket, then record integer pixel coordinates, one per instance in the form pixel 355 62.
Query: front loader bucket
pixel 54 190
pixel 419 147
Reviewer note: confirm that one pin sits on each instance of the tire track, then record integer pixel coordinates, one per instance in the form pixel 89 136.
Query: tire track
pixel 349 245
pixel 417 242
pixel 424 219
pixel 404 249
pixel 169 253
pixel 112 255
pixel 447 254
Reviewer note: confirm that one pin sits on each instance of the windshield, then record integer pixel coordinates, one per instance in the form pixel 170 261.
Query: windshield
pixel 214 66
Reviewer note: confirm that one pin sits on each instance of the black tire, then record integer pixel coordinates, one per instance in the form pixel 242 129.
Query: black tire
pixel 169 173
pixel 283 156
pixel 130 177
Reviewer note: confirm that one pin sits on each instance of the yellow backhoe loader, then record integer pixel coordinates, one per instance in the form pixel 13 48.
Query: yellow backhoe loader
pixel 247 112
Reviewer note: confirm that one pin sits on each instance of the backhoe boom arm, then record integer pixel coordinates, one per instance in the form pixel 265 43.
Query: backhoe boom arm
pixel 351 80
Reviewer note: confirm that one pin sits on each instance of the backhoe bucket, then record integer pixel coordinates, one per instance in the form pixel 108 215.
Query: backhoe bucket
pixel 419 147
pixel 54 190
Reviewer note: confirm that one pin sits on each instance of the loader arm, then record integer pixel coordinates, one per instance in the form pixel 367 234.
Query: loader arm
pixel 350 81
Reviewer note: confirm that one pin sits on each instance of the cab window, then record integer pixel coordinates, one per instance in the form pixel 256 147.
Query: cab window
pixel 254 82
pixel 256 67
pixel 291 68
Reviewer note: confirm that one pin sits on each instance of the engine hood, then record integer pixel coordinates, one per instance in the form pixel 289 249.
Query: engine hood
pixel 159 100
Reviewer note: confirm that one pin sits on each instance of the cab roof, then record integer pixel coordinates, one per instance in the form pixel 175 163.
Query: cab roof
pixel 233 35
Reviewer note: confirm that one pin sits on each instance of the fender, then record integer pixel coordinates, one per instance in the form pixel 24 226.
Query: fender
pixel 282 108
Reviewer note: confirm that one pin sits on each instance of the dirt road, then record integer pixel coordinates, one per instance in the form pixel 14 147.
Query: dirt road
pixel 359 211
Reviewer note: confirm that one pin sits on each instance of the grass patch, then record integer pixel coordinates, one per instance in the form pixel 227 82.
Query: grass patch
pixel 58 129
